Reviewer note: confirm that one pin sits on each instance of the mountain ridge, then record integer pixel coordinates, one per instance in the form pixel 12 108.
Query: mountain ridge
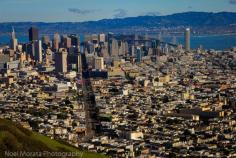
pixel 220 22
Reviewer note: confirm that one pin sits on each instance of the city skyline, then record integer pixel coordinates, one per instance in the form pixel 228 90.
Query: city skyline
pixel 78 11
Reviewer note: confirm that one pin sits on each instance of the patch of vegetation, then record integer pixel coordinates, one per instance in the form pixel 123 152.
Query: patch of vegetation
pixel 13 137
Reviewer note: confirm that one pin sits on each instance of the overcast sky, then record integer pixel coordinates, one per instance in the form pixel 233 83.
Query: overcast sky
pixel 85 10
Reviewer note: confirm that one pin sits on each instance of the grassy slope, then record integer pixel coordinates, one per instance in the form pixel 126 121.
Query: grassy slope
pixel 14 137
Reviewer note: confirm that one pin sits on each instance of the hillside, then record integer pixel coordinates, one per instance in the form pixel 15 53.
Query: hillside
pixel 202 22
pixel 14 137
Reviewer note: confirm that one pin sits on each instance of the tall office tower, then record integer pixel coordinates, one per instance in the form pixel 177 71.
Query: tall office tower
pixel 123 49
pixel 126 48
pixel 99 63
pixel 66 41
pixel 48 56
pixel 31 50
pixel 110 36
pixel 75 40
pixel 150 51
pixel 102 37
pixel 154 44
pixel 33 34
pixel 13 41
pixel 73 49
pixel 56 42
pixel 90 47
pixel 38 51
pixel 138 55
pixel 166 49
pixel 136 40
pixel 94 38
pixel 114 48
pixel 79 62
pixel 61 61
pixel 46 40
pixel 104 50
pixel 187 39
pixel 132 50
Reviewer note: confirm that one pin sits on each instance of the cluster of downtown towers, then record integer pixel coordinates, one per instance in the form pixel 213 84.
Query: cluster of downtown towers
pixel 61 45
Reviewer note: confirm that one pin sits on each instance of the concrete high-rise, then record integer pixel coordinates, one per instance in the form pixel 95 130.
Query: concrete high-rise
pixel 123 49
pixel 104 50
pixel 114 48
pixel 56 42
pixel 138 55
pixel 38 51
pixel 61 61
pixel 99 63
pixel 102 37
pixel 46 40
pixel 66 41
pixel 187 39
pixel 79 62
pixel 75 40
pixel 33 34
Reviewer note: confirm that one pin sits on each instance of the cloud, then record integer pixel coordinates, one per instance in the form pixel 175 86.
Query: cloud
pixel 232 1
pixel 81 11
pixel 120 13
pixel 152 14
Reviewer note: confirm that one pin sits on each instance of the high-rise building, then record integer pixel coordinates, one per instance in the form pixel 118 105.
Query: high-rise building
pixel 38 51
pixel 31 50
pixel 48 57
pixel 79 62
pixel 102 37
pixel 66 41
pixel 110 36
pixel 56 42
pixel 138 55
pixel 33 34
pixel 132 52
pixel 61 61
pixel 114 48
pixel 75 40
pixel 46 40
pixel 99 63
pixel 13 41
pixel 123 49
pixel 104 50
pixel 94 38
pixel 187 39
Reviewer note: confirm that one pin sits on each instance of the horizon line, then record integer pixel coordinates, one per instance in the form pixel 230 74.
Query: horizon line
pixel 1 22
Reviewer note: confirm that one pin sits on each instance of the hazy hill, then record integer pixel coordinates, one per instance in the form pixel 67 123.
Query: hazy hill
pixel 202 22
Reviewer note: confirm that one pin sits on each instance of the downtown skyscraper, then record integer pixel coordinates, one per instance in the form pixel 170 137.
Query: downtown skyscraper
pixel 187 39
pixel 33 34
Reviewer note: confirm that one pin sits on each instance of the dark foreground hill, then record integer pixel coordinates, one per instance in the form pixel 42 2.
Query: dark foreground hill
pixel 201 22
pixel 14 138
